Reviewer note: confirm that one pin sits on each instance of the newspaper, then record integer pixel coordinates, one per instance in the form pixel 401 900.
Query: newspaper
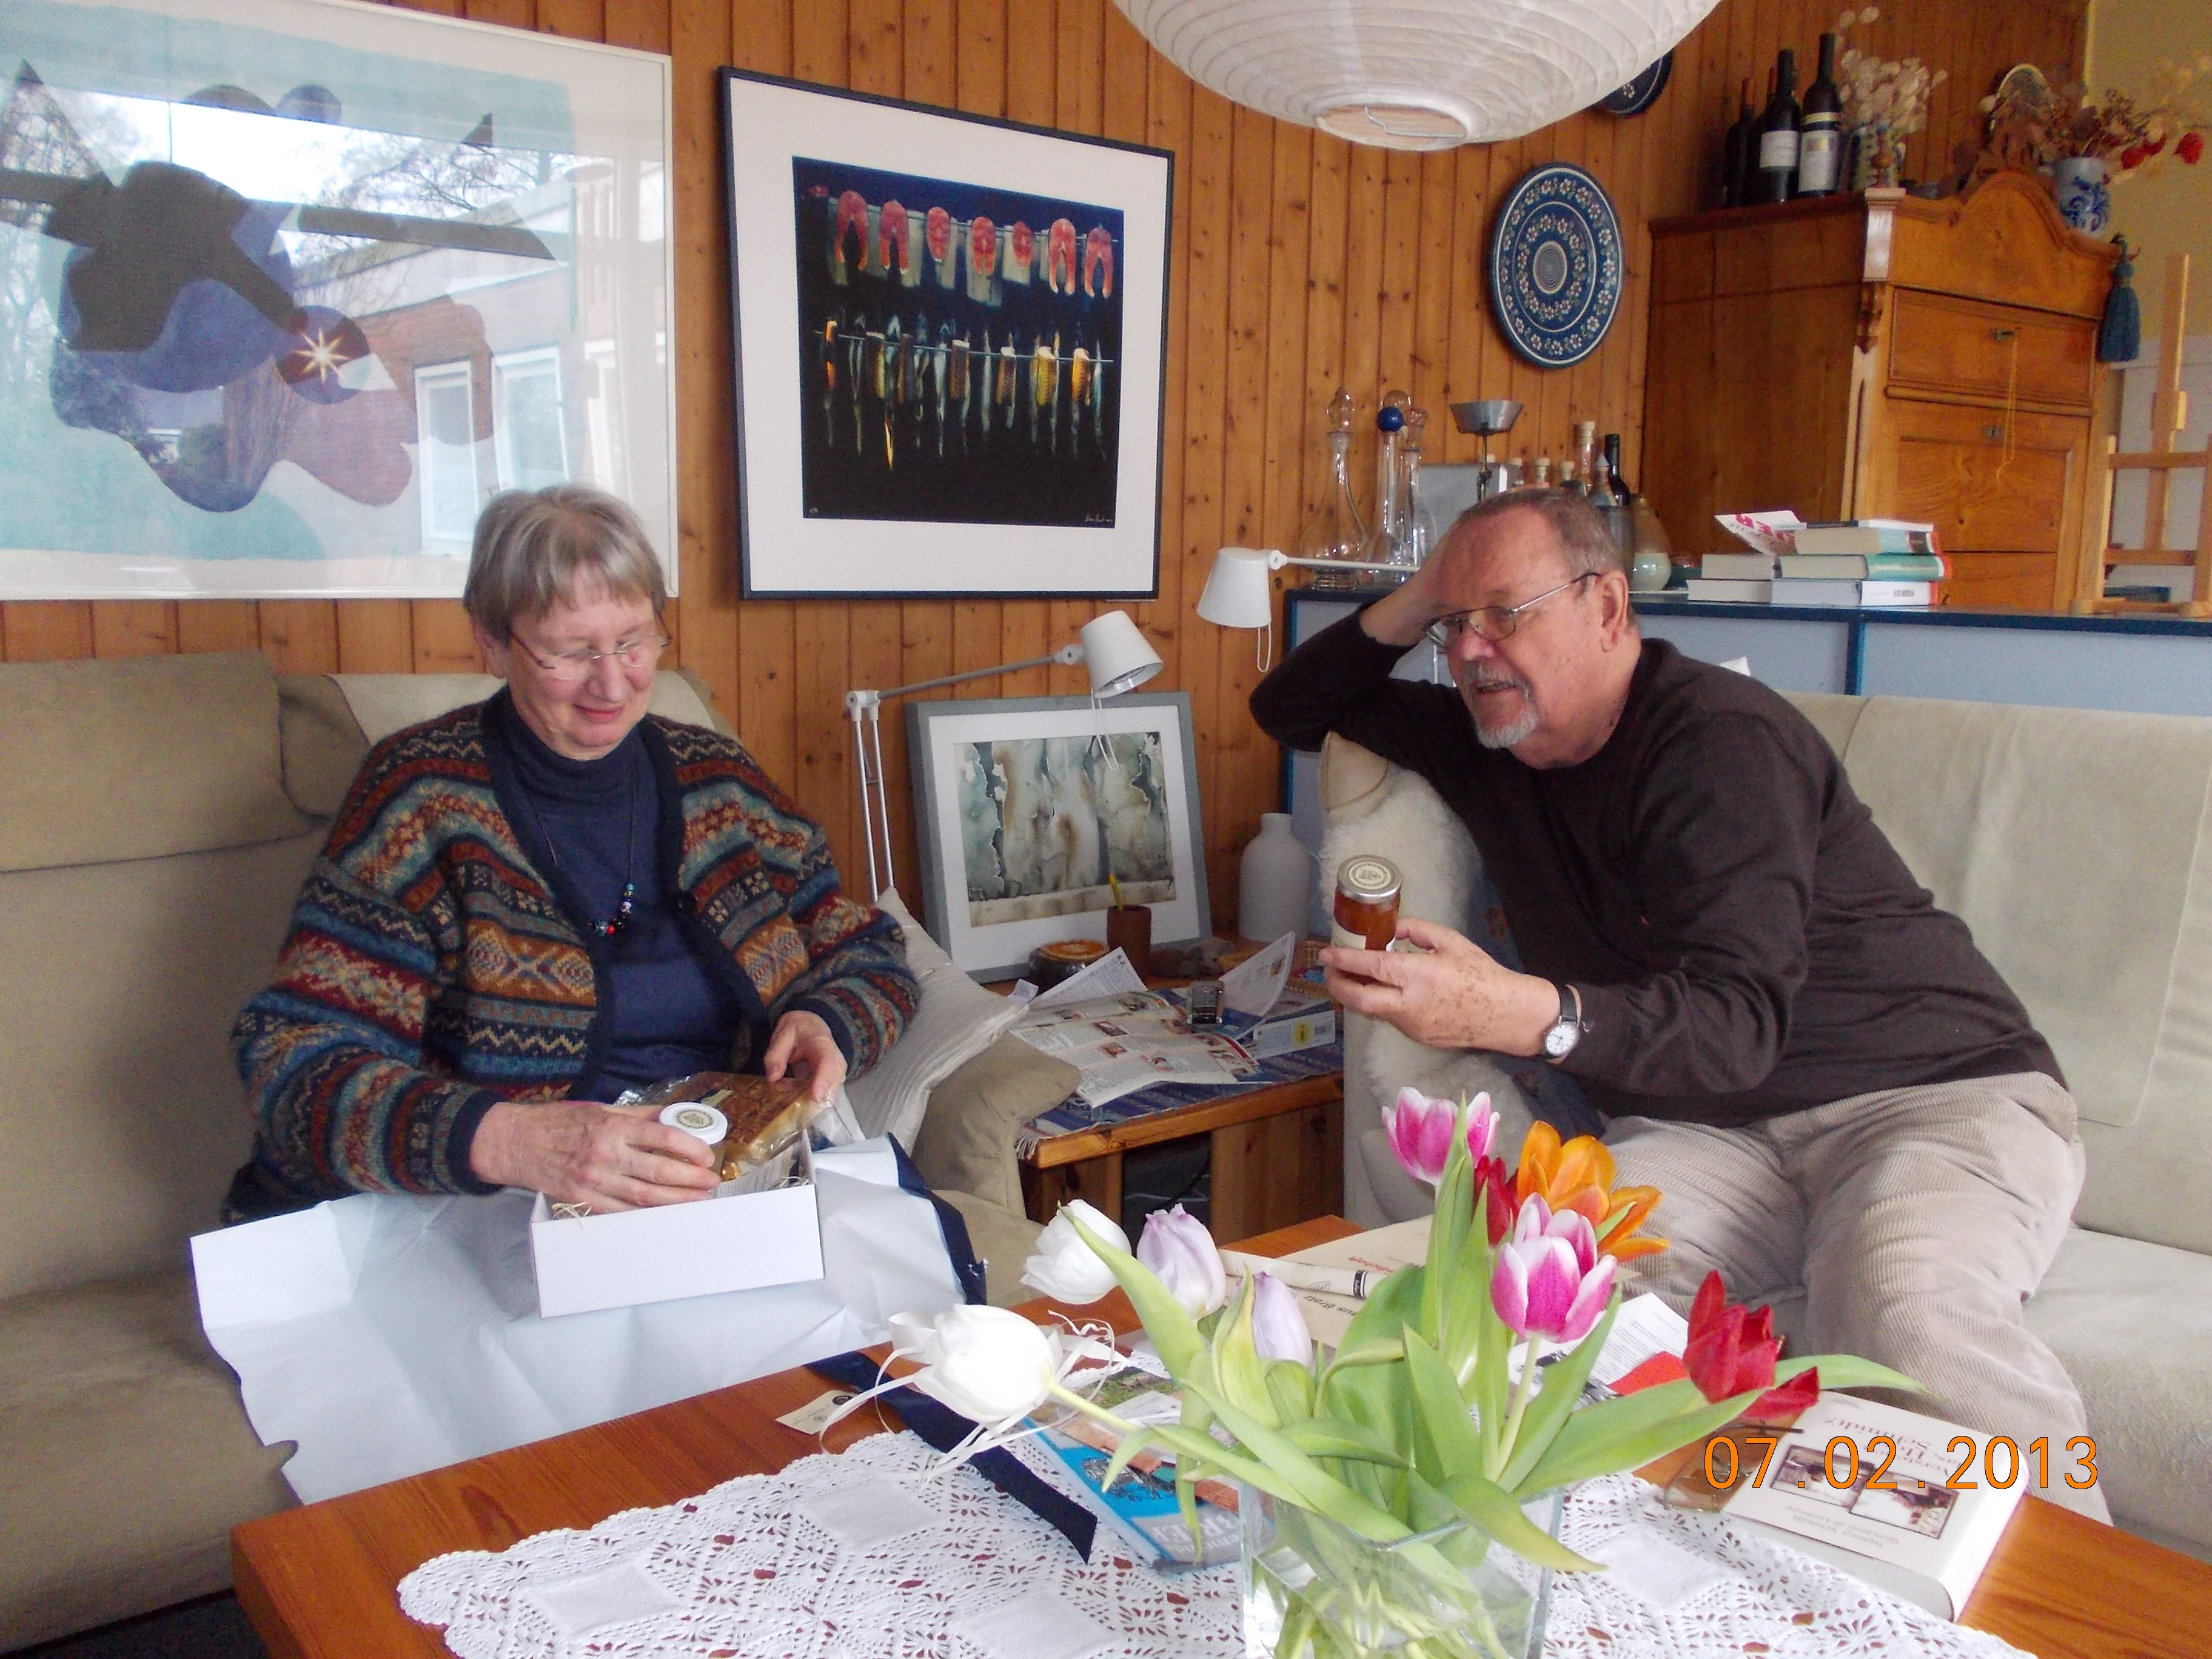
pixel 1131 1040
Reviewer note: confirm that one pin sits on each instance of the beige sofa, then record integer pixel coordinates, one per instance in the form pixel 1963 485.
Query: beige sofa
pixel 156 818
pixel 2075 844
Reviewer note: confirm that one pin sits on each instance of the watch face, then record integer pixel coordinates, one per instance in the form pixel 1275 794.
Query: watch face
pixel 1560 1038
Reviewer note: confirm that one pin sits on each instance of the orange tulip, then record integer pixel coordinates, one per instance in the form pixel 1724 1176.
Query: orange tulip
pixel 1578 1174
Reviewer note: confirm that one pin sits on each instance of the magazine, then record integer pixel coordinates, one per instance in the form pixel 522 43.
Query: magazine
pixel 1905 1502
pixel 1131 1040
pixel 1141 1505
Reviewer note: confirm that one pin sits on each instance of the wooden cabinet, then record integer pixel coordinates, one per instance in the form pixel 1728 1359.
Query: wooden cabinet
pixel 1880 357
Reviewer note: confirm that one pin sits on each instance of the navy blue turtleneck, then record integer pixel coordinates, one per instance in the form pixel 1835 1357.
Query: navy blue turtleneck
pixel 671 1015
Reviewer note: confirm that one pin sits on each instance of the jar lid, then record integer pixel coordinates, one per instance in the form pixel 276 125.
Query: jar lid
pixel 701 1121
pixel 1367 878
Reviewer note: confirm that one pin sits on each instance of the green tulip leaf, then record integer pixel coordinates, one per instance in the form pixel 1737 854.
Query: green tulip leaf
pixel 1562 1390
pixel 1616 1445
pixel 1843 1370
pixel 1237 1365
pixel 1488 1506
pixel 1443 1414
pixel 1291 1388
pixel 1321 1436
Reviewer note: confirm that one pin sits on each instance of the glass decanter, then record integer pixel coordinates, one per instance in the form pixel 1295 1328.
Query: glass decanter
pixel 1335 531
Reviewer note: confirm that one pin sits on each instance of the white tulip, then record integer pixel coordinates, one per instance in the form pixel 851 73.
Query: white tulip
pixel 987 1364
pixel 1065 1267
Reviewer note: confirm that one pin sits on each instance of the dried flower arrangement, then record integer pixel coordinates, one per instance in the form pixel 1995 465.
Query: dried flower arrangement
pixel 2030 125
pixel 1877 92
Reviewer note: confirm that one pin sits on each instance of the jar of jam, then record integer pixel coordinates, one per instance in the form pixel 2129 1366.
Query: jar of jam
pixel 1366 908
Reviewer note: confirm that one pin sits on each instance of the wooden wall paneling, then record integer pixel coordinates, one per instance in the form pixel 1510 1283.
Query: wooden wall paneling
pixel 1467 314
pixel 1245 764
pixel 1401 227
pixel 1032 91
pixel 444 643
pixel 1167 124
pixel 1290 246
pixel 1204 458
pixel 509 13
pixel 644 24
pixel 1363 308
pixel 42 630
pixel 824 778
pixel 1586 146
pixel 376 636
pixel 1079 103
pixel 1431 386
pixel 134 628
pixel 579 20
pixel 300 635
pixel 218 625
pixel 766 710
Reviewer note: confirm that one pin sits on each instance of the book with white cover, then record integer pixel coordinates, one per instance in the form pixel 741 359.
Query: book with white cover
pixel 1737 567
pixel 1729 590
pixel 1899 1522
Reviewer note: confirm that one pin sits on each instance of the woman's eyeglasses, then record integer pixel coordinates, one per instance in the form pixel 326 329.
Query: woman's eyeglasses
pixel 570 666
pixel 1492 621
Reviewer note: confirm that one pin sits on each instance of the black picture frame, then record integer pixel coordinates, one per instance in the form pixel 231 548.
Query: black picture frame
pixel 939 399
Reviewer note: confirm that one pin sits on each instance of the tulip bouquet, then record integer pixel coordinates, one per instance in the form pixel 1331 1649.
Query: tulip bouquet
pixel 1389 1469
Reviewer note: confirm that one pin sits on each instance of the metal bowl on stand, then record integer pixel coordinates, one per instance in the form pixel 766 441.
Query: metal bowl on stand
pixel 1486 416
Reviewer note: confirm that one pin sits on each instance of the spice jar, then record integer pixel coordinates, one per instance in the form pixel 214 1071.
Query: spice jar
pixel 1366 908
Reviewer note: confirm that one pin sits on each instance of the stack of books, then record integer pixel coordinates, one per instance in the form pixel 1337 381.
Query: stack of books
pixel 1886 562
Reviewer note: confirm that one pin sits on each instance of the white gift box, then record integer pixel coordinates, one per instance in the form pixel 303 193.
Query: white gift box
pixel 738 1240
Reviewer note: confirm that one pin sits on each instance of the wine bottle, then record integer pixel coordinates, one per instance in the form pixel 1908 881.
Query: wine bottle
pixel 1777 133
pixel 1736 152
pixel 1821 144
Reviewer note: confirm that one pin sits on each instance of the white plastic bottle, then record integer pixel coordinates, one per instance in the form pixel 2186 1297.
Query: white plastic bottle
pixel 1274 885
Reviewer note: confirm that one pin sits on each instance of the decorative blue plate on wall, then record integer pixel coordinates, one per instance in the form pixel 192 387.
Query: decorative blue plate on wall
pixel 1556 265
pixel 1638 92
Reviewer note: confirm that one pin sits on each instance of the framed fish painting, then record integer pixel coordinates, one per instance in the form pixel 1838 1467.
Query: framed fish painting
pixel 288 290
pixel 949 336
pixel 1033 814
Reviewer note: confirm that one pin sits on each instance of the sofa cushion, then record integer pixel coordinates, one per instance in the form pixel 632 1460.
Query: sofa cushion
pixel 324 744
pixel 957 1020
pixel 966 1141
pixel 129 1457
pixel 139 758
pixel 121 1117
pixel 2132 1324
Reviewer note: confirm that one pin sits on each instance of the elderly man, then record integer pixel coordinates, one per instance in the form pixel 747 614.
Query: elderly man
pixel 1831 1085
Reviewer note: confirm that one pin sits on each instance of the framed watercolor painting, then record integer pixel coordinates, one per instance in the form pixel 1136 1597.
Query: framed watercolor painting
pixel 288 290
pixel 949 336
pixel 1025 805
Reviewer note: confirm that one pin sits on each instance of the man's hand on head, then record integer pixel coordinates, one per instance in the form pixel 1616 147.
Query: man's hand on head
pixel 1450 994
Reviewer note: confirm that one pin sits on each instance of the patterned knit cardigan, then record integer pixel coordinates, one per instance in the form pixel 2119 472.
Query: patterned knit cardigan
pixel 431 973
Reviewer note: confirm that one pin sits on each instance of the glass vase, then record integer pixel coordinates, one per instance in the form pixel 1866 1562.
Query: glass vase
pixel 1314 1590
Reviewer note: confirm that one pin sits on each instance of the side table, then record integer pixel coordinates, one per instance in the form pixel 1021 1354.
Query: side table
pixel 1278 1154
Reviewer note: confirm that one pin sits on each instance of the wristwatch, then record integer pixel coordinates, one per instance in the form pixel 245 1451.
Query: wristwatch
pixel 1567 1030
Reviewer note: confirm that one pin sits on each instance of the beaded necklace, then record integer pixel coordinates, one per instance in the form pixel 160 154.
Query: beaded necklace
pixel 620 919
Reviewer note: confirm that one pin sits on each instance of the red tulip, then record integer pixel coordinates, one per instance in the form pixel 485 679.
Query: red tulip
pixel 2133 157
pixel 2190 146
pixel 1494 1189
pixel 1732 1349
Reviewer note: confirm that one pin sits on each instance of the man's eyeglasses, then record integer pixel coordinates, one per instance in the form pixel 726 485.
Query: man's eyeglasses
pixel 1492 621
pixel 571 667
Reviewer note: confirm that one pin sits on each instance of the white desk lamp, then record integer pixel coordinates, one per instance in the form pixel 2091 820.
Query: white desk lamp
pixel 1112 647
pixel 1237 594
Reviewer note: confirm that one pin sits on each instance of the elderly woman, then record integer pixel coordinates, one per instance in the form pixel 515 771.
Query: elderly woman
pixel 530 904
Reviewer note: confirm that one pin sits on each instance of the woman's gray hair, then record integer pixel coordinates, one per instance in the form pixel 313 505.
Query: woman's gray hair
pixel 534 546
pixel 1584 541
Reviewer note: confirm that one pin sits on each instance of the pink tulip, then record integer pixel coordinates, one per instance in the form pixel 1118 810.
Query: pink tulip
pixel 1550 1281
pixel 1421 1132
pixel 1481 1127
pixel 1279 1324
pixel 1181 1253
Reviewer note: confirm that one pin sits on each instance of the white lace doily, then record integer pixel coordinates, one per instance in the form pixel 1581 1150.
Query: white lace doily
pixel 865 1556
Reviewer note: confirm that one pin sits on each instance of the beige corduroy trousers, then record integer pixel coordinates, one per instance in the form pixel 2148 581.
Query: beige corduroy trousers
pixel 1907 1226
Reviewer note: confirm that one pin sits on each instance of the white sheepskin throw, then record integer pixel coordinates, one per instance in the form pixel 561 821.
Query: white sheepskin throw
pixel 1371 805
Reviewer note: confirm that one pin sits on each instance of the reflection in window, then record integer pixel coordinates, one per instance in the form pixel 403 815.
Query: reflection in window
pixel 444 418
pixel 528 434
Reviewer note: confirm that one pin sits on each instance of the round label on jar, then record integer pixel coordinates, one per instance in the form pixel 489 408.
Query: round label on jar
pixel 1368 877
pixel 704 1123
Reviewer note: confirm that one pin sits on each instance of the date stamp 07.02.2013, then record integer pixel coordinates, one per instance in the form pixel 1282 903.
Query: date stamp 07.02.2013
pixel 1747 1454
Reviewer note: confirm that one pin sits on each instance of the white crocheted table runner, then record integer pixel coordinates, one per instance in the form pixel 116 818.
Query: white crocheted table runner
pixel 866 1556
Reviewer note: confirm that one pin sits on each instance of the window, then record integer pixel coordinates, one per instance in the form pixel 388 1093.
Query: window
pixel 528 434
pixel 446 454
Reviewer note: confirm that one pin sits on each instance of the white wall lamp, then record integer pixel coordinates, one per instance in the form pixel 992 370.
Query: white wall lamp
pixel 1237 593
pixel 1112 647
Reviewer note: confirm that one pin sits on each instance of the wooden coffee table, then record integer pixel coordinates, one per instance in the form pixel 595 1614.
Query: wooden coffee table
pixel 320 1581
